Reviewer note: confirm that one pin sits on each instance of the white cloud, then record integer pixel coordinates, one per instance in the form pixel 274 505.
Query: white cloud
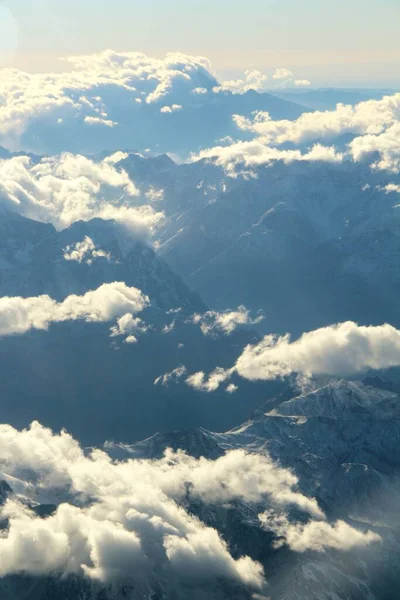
pixel 85 251
pixel 302 82
pixel 240 157
pixel 374 123
pixel 392 187
pixel 200 381
pixel 87 93
pixel 67 188
pixel 372 117
pixel 170 109
pixel 169 327
pixel 316 535
pixel 338 350
pixel 226 322
pixel 108 302
pixel 253 80
pixel 174 375
pixel 342 349
pixel 154 195
pixel 127 518
pixel 99 121
pixel 232 388
pixel 387 144
pixel 128 326
pixel 282 74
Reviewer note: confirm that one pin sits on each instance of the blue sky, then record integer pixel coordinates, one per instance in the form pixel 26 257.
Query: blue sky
pixel 351 42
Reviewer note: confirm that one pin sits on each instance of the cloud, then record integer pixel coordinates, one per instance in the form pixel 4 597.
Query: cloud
pixel 127 519
pixel 387 144
pixel 372 117
pixel 302 82
pixel 232 388
pixel 109 301
pixel 67 188
pixel 282 74
pixel 375 125
pixel 154 195
pixel 101 90
pixel 343 349
pixel 85 251
pixel 256 80
pixel 392 187
pixel 172 376
pixel 202 552
pixel 239 157
pixel 225 322
pixel 285 78
pixel 339 350
pixel 98 121
pixel 200 381
pixel 170 109
pixel 316 535
pixel 253 80
pixel 129 326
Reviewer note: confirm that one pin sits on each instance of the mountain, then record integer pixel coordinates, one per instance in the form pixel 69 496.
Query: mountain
pixel 75 375
pixel 329 98
pixel 324 234
pixel 199 122
pixel 342 441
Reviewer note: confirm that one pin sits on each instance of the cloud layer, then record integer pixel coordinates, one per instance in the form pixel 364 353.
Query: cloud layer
pixel 374 124
pixel 127 519
pixel 99 92
pixel 67 188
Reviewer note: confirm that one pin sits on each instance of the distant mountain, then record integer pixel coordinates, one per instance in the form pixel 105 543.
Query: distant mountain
pixel 328 98
pixel 199 123
pixel 309 243
pixel 74 375
pixel 342 441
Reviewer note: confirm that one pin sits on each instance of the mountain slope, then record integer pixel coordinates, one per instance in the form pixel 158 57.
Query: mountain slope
pixel 75 375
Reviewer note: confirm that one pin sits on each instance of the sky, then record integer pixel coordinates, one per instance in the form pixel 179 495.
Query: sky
pixel 350 43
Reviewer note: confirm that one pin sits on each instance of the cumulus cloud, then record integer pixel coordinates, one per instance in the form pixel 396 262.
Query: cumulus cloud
pixel 99 121
pixel 200 381
pixel 338 350
pixel 109 301
pixel 372 117
pixel 302 82
pixel 315 535
pixel 170 109
pixel 174 375
pixel 242 157
pixel 67 188
pixel 226 322
pixel 85 251
pixel 128 518
pixel 343 349
pixel 373 123
pixel 392 187
pixel 386 144
pixel 285 78
pixel 282 73
pixel 253 80
pixel 129 326
pixel 94 91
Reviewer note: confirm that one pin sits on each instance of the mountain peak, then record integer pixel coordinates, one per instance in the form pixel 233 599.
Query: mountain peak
pixel 344 400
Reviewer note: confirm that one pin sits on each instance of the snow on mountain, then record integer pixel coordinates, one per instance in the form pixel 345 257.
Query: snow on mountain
pixel 342 441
